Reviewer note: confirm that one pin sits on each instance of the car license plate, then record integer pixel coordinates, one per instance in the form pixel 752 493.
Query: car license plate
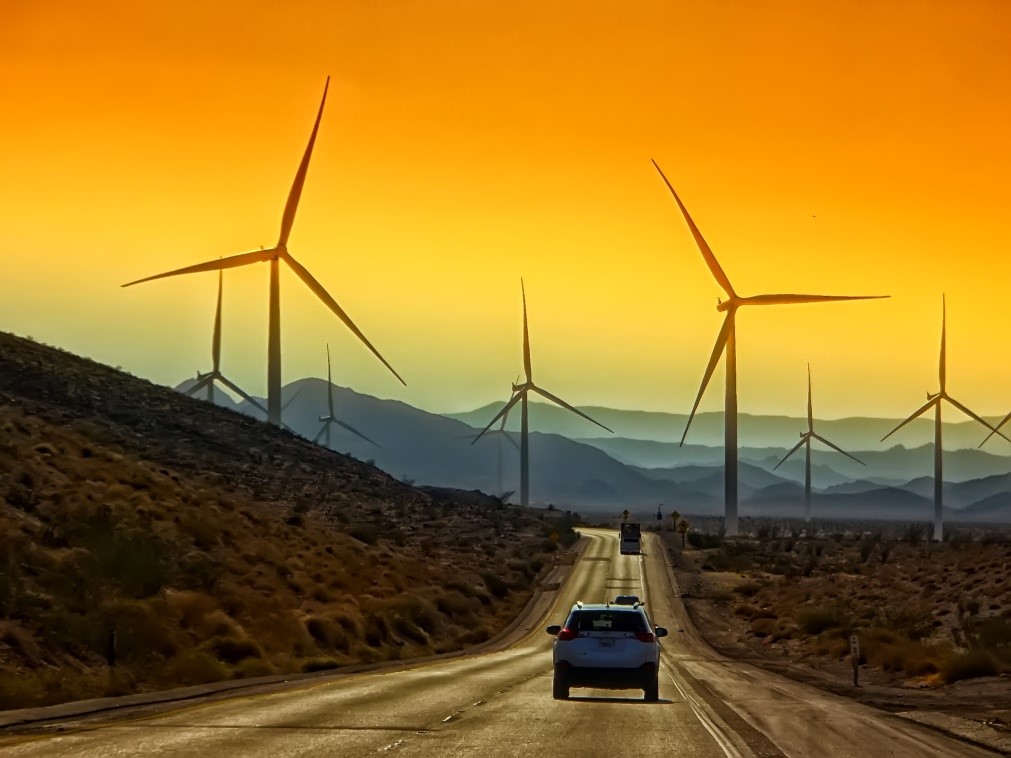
pixel 607 643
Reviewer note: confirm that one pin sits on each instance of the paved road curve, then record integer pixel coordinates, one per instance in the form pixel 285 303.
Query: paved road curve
pixel 499 704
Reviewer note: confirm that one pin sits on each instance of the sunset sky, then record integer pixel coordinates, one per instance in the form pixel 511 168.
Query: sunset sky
pixel 822 147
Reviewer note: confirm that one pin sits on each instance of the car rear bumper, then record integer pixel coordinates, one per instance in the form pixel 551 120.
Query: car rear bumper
pixel 607 678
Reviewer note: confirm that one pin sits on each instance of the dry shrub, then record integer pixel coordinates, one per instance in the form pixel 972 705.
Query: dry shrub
pixel 969 665
pixel 748 589
pixel 232 649
pixel 320 664
pixel 817 620
pixel 21 641
pixel 327 633
pixel 764 627
pixel 194 667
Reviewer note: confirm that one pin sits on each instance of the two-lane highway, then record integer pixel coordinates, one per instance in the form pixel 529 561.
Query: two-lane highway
pixel 499 703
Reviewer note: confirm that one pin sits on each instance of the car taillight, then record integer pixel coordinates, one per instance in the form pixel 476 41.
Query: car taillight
pixel 566 634
pixel 644 636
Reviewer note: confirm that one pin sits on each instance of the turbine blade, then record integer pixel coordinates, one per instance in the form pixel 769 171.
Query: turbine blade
pixel 216 341
pixel 203 383
pixel 232 261
pixel 512 441
pixel 707 253
pixel 329 382
pixel 795 299
pixel 721 343
pixel 355 431
pixel 920 411
pixel 793 450
pixel 810 407
pixel 291 399
pixel 504 410
pixel 996 429
pixel 330 303
pixel 296 188
pixel 319 434
pixel 942 361
pixel 526 334
pixel 238 391
pixel 972 415
pixel 558 401
pixel 837 449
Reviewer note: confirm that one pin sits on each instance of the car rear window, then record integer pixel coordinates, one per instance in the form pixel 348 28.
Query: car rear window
pixel 605 621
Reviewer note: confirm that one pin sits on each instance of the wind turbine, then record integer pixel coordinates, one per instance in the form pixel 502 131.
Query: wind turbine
pixel 996 430
pixel 274 255
pixel 726 341
pixel 520 392
pixel 934 401
pixel 207 380
pixel 330 418
pixel 500 433
pixel 805 440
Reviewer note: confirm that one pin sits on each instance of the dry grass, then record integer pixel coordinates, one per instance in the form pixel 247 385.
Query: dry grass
pixel 938 613
pixel 214 546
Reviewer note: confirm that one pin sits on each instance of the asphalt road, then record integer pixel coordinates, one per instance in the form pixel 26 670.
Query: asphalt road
pixel 499 703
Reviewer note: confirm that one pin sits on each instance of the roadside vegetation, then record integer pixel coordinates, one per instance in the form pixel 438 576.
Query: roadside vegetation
pixel 148 540
pixel 924 613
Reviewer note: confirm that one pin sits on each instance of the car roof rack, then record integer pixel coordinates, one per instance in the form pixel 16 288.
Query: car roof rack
pixel 579 603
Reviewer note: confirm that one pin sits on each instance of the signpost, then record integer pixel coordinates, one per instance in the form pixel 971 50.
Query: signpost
pixel 855 655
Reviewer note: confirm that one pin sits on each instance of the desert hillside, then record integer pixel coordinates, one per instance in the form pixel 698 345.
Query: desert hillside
pixel 209 545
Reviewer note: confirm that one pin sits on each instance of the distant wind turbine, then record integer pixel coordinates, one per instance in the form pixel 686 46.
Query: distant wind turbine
pixel 214 375
pixel 331 417
pixel 501 434
pixel 274 255
pixel 996 430
pixel 520 392
pixel 934 401
pixel 805 440
pixel 727 341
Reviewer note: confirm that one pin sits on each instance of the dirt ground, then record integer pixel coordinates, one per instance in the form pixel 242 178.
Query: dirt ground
pixel 723 601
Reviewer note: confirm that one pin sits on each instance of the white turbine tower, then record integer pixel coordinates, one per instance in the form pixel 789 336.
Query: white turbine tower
pixel 274 256
pixel 520 392
pixel 934 401
pixel 805 440
pixel 727 342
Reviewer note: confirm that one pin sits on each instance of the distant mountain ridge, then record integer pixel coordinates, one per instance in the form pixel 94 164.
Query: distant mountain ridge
pixel 755 430
pixel 583 474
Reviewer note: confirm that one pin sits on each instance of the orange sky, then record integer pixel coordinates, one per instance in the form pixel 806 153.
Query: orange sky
pixel 847 147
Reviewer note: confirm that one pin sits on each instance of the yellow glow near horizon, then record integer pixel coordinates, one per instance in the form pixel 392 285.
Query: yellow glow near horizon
pixel 839 149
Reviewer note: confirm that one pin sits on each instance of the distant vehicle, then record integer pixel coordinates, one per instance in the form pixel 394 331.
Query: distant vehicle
pixel 627 600
pixel 606 647
pixel 631 539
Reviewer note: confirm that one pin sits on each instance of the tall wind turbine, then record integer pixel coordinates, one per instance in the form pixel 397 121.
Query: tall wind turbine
pixel 331 418
pixel 727 341
pixel 520 392
pixel 501 434
pixel 207 380
pixel 934 401
pixel 274 255
pixel 805 440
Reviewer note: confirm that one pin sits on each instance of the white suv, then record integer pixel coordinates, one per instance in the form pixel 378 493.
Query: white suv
pixel 608 647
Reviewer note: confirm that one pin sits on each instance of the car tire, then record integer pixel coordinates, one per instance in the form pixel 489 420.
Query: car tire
pixel 559 688
pixel 651 692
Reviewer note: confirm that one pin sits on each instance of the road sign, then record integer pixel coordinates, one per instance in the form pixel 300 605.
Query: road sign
pixel 855 655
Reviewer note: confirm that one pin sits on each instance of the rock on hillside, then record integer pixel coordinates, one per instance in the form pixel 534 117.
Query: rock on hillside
pixel 216 546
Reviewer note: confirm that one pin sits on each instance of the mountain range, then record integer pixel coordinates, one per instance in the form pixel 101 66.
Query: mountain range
pixel 608 474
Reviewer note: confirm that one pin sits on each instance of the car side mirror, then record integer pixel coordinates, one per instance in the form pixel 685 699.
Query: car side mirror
pixel 660 631
pixel 553 629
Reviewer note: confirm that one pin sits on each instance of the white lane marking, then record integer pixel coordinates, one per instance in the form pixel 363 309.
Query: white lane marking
pixel 725 745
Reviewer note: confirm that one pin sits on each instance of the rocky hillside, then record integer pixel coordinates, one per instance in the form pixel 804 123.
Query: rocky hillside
pixel 207 545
